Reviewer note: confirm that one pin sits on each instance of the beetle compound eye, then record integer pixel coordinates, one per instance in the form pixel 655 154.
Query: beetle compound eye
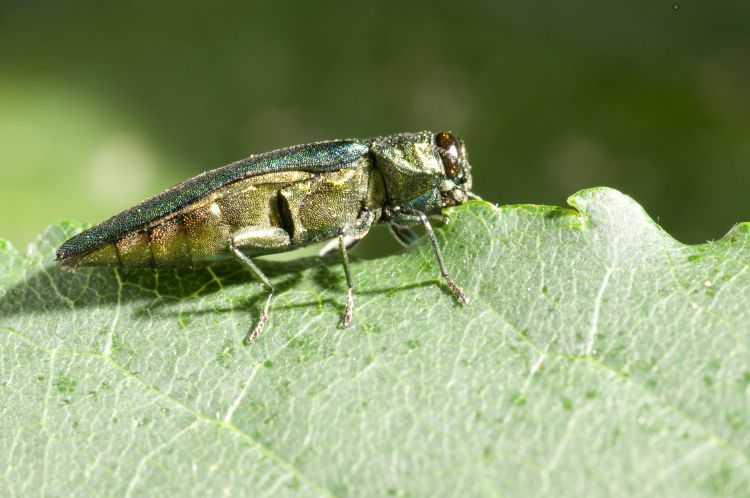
pixel 447 147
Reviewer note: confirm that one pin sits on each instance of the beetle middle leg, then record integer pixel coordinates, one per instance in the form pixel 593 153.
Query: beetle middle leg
pixel 258 238
pixel 348 237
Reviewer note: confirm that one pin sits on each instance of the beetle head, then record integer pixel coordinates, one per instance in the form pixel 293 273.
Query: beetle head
pixel 456 181
pixel 424 171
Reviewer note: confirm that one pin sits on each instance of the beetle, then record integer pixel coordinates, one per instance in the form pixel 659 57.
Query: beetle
pixel 285 199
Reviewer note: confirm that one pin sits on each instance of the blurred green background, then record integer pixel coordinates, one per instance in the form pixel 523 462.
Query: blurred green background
pixel 103 104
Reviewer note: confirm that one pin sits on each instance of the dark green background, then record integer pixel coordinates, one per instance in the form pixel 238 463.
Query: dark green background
pixel 104 104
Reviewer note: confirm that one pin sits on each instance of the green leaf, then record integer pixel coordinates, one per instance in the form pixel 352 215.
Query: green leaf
pixel 598 357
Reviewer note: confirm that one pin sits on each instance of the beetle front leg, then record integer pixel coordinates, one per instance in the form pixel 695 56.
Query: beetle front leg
pixel 260 238
pixel 458 292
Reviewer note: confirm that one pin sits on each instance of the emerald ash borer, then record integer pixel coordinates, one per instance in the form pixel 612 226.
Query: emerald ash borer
pixel 286 199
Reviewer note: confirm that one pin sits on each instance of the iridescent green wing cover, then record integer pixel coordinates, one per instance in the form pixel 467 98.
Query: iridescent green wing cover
pixel 318 157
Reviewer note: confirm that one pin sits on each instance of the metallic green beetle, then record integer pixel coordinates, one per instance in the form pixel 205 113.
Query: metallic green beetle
pixel 285 199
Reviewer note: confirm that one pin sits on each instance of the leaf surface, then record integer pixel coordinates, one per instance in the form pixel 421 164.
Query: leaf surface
pixel 598 357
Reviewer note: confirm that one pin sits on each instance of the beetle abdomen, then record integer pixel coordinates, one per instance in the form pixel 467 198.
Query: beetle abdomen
pixel 199 233
pixel 163 245
pixel 192 238
pixel 308 206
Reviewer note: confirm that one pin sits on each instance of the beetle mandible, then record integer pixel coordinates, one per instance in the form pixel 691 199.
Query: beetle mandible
pixel 285 199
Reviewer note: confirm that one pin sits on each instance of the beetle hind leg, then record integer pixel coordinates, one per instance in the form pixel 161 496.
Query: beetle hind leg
pixel 261 238
pixel 349 308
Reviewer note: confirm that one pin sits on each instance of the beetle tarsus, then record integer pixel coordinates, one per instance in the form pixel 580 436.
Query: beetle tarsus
pixel 256 331
pixel 457 291
pixel 346 318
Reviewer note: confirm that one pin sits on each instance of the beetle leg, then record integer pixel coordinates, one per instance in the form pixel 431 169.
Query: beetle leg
pixel 262 238
pixel 333 244
pixel 403 235
pixel 347 316
pixel 457 291
pixel 348 236
pixel 265 283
